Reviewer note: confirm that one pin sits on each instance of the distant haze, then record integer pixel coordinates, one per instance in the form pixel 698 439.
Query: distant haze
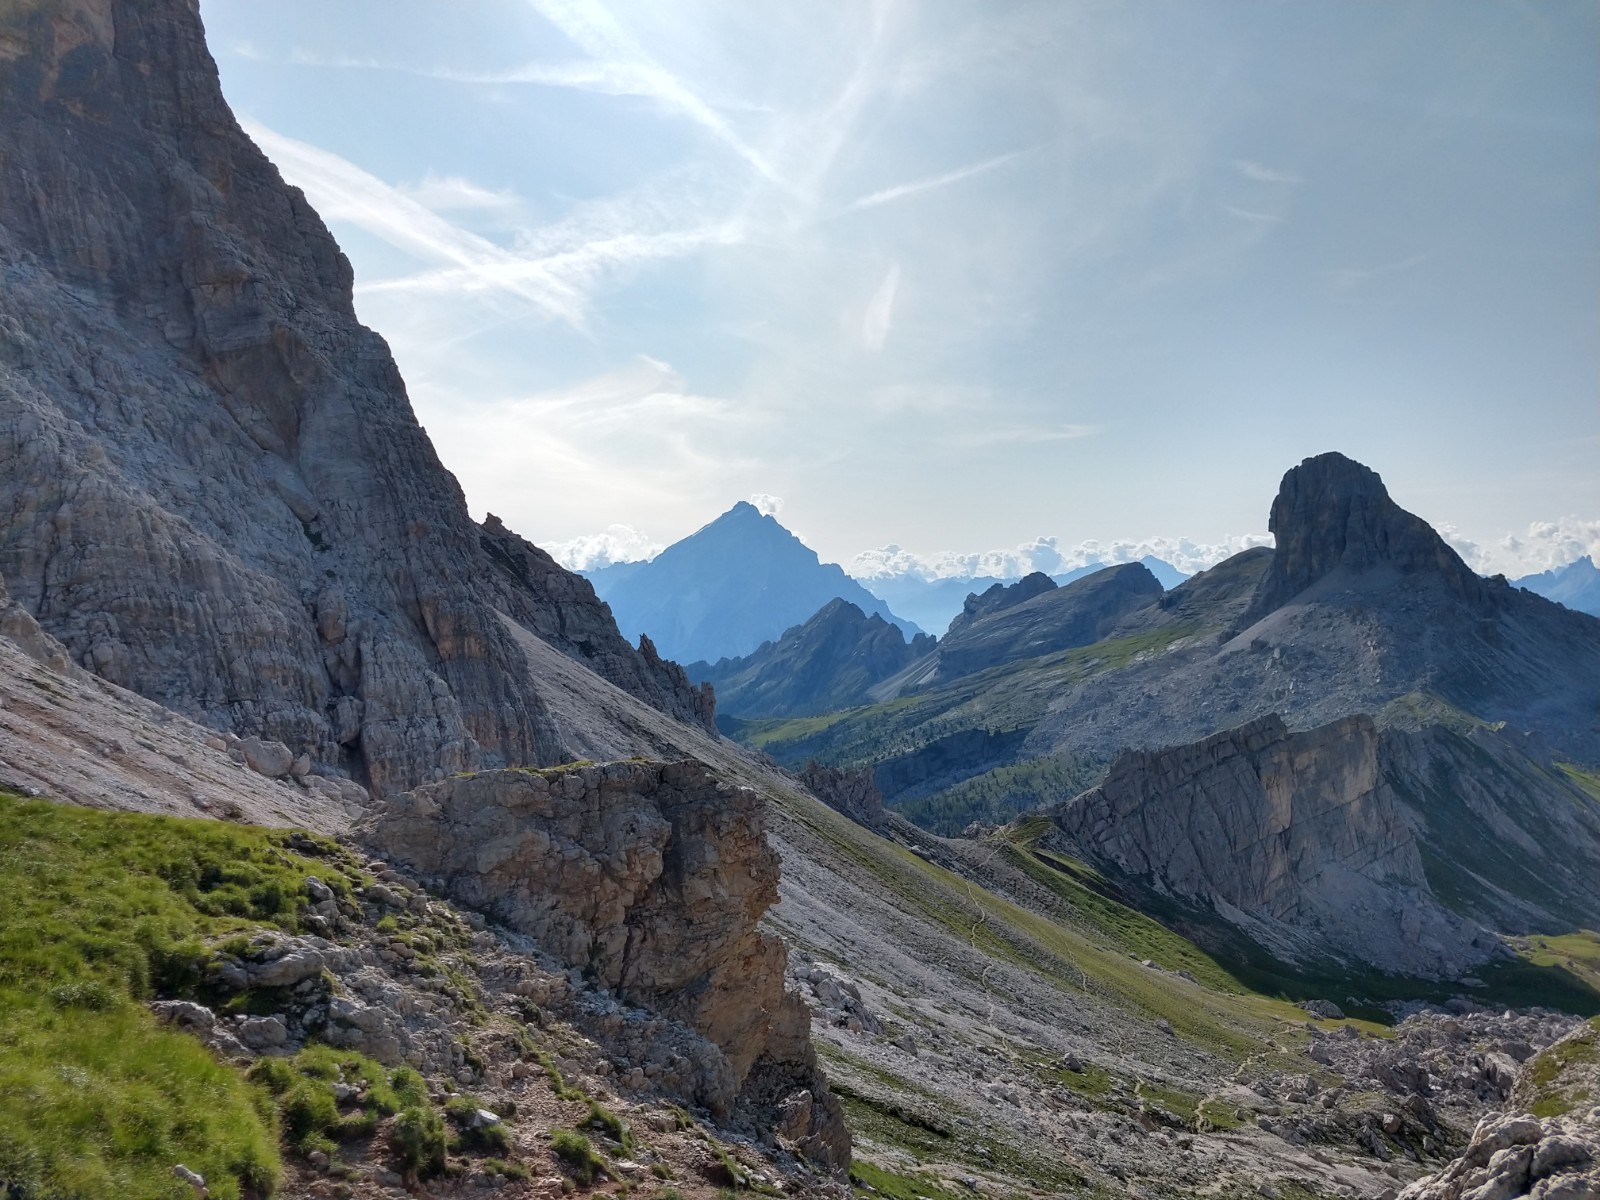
pixel 967 284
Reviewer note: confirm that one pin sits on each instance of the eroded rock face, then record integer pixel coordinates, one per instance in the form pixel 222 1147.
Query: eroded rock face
pixel 1296 832
pixel 651 877
pixel 216 493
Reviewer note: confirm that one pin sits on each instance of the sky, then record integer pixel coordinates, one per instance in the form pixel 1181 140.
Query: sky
pixel 937 280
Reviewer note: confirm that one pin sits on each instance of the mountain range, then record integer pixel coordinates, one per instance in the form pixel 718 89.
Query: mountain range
pixel 348 847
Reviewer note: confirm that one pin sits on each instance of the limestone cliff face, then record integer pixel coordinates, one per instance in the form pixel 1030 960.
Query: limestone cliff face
pixel 652 876
pixel 216 493
pixel 1298 837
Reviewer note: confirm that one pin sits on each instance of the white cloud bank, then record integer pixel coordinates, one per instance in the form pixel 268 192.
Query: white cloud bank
pixel 618 544
pixel 1545 544
pixel 767 505
pixel 1047 554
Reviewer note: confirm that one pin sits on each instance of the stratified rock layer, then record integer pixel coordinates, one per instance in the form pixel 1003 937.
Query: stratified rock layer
pixel 652 877
pixel 216 493
pixel 1299 834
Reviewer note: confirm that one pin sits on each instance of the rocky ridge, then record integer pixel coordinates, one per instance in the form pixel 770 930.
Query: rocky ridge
pixel 1030 618
pixel 216 493
pixel 829 662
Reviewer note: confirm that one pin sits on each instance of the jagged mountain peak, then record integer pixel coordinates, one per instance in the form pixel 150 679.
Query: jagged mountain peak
pixel 1334 513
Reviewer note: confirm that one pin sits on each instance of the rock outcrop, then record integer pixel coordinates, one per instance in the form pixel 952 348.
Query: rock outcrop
pixel 216 493
pixel 1394 847
pixel 828 663
pixel 1287 833
pixel 854 792
pixel 651 878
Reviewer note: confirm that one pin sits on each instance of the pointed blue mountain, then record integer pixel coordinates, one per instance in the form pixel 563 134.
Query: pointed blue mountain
pixel 726 588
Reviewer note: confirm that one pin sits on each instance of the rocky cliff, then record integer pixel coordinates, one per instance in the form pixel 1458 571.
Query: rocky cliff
pixel 650 877
pixel 828 663
pixel 1332 513
pixel 216 493
pixel 1391 848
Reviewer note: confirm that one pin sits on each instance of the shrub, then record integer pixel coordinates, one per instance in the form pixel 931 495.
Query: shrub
pixel 463 1110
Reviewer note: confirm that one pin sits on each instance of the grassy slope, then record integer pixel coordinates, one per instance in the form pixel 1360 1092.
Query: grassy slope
pixel 99 912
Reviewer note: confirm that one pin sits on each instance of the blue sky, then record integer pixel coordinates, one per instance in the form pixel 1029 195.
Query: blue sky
pixel 955 275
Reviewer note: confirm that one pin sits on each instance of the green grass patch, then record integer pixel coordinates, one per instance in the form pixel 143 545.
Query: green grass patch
pixel 870 1180
pixel 418 1141
pixel 603 1121
pixel 98 912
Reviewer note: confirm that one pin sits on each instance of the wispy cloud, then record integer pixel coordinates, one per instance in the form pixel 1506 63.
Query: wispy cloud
pixel 1348 279
pixel 555 269
pixel 900 191
pixel 340 190
pixel 442 193
pixel 1260 173
pixel 1015 434
pixel 1250 214
pixel 879 313
pixel 622 66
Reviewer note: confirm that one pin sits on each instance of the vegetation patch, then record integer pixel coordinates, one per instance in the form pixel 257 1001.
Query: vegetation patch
pixel 307 1089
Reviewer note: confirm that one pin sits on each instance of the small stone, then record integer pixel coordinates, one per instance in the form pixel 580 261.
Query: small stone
pixel 193 1178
